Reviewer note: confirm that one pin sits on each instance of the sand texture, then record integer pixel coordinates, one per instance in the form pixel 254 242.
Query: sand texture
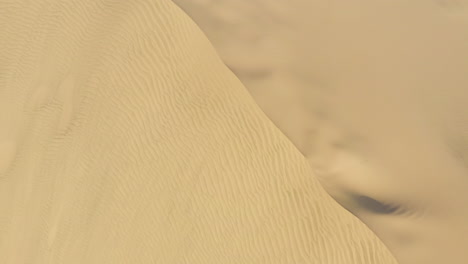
pixel 125 139
pixel 375 94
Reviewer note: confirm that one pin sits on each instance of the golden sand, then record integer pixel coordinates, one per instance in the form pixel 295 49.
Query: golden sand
pixel 125 139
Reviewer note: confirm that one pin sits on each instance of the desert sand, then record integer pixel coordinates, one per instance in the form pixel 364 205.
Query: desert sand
pixel 375 95
pixel 125 139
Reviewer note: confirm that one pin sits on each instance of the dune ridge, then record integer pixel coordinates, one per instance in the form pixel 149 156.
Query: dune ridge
pixel 124 139
pixel 373 94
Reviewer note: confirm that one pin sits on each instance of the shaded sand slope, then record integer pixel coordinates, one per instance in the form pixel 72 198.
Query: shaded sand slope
pixel 375 94
pixel 124 139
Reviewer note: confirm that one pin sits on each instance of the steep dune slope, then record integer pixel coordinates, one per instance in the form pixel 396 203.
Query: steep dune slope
pixel 124 139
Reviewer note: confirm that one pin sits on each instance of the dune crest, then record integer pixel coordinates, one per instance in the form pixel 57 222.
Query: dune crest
pixel 124 139
pixel 374 94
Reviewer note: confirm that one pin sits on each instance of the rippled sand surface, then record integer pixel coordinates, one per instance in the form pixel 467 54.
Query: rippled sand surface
pixel 125 139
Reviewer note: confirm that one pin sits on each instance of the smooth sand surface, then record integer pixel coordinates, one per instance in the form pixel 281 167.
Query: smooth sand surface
pixel 124 139
pixel 375 95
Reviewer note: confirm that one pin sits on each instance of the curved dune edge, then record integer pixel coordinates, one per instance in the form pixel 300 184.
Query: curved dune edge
pixel 125 140
pixel 373 93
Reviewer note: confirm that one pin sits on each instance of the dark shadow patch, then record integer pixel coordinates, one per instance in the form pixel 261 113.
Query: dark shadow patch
pixel 375 206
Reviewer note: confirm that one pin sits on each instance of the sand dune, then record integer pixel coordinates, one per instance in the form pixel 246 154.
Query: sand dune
pixel 124 139
pixel 374 94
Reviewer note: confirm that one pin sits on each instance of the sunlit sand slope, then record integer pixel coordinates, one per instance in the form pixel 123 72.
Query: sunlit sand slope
pixel 124 139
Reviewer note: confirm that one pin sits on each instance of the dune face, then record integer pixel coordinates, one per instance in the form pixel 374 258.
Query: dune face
pixel 124 139
pixel 374 94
